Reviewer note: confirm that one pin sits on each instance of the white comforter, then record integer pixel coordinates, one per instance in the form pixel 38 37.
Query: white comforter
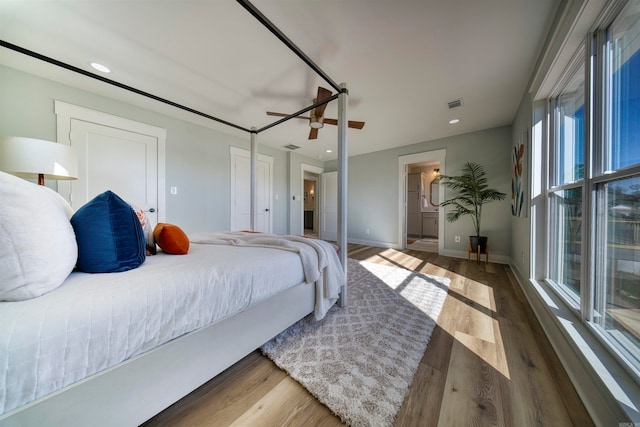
pixel 319 260
pixel 95 321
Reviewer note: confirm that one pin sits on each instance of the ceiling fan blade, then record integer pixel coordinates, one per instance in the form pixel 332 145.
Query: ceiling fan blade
pixel 313 133
pixel 355 124
pixel 271 113
pixel 322 95
pixel 352 123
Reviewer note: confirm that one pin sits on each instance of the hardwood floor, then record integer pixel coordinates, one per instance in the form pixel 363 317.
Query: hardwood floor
pixel 488 363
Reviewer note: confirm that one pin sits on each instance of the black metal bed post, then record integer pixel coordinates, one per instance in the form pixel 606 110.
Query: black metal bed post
pixel 254 178
pixel 343 174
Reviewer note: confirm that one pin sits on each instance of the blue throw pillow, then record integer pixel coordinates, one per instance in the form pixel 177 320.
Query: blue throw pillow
pixel 109 235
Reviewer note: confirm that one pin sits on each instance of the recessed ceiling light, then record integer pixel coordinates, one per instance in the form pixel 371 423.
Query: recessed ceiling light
pixel 100 67
pixel 329 151
pixel 454 121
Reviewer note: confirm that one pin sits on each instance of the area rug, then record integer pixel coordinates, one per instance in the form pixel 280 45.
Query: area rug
pixel 360 360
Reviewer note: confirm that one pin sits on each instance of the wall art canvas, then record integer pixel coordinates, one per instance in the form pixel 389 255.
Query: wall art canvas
pixel 519 177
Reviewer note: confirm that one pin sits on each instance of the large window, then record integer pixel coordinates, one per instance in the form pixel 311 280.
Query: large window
pixel 594 187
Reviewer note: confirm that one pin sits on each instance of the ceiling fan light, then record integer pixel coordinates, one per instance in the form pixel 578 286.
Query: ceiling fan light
pixel 316 122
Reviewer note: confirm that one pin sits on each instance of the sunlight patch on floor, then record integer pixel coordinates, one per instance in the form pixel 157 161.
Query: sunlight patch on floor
pixel 396 258
pixel 473 325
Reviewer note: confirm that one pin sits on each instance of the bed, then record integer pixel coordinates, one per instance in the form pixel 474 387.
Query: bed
pixel 117 348
pixel 130 384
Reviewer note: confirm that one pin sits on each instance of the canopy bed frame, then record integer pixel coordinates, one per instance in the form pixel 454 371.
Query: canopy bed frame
pixel 133 391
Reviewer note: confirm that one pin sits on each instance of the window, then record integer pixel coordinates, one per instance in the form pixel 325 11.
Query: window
pixel 566 248
pixel 622 78
pixel 593 208
pixel 569 156
pixel 617 296
pixel 565 195
pixel 616 282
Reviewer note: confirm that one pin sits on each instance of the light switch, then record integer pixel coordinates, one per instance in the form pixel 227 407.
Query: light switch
pixel 174 190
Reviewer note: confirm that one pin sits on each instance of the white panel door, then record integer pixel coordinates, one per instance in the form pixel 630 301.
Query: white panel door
pixel 118 160
pixel 329 206
pixel 241 192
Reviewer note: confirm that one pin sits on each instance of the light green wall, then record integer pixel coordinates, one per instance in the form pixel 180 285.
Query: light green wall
pixel 373 189
pixel 197 157
pixel 197 162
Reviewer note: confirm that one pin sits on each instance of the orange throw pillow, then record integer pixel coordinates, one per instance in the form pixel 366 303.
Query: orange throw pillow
pixel 171 238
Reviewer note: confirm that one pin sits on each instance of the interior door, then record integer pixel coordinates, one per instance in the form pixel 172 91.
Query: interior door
pixel 329 206
pixel 241 192
pixel 118 160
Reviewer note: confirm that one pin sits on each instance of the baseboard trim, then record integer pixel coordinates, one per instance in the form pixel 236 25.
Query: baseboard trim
pixel 606 389
pixel 374 243
pixel 500 259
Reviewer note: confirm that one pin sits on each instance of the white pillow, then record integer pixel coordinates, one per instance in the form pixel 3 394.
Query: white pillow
pixel 68 210
pixel 38 247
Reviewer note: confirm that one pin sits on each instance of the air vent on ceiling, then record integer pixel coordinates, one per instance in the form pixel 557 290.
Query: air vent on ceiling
pixel 291 147
pixel 455 104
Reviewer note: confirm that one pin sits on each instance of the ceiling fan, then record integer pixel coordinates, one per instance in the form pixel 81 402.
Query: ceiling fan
pixel 317 119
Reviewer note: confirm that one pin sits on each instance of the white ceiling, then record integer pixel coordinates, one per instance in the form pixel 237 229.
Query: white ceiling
pixel 402 60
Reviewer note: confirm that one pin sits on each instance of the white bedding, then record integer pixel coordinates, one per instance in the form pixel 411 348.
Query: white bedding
pixel 94 321
pixel 320 261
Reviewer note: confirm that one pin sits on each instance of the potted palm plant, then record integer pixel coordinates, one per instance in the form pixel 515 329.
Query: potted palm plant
pixel 472 193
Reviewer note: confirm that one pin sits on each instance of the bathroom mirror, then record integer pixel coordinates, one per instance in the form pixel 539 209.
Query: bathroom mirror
pixel 434 192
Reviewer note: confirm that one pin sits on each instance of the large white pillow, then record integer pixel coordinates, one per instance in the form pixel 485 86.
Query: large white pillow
pixel 38 247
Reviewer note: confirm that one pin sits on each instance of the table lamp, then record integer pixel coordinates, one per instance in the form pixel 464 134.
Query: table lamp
pixel 37 158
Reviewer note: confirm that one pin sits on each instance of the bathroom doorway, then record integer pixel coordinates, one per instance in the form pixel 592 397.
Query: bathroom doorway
pixel 421 220
pixel 310 202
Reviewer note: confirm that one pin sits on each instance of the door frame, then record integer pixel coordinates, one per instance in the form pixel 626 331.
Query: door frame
pixel 65 112
pixel 403 163
pixel 304 167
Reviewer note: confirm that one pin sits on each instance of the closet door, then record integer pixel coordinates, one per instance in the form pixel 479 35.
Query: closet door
pixel 118 160
pixel 241 191
pixel 114 153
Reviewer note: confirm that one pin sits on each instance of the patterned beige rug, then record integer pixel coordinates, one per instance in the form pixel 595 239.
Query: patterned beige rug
pixel 360 360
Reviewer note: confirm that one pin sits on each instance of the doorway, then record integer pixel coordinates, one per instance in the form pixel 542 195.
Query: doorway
pixel 310 200
pixel 421 224
pixel 311 208
pixel 422 206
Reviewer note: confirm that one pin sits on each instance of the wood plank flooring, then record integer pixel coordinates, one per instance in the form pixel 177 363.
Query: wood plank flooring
pixel 488 363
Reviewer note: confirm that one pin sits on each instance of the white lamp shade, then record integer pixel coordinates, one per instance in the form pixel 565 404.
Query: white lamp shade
pixel 29 158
